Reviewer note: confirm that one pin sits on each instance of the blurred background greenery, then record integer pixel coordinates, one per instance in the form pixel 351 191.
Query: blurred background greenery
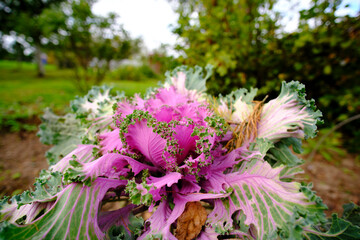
pixel 61 48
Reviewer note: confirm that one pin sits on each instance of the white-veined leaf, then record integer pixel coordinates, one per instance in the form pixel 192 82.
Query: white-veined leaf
pixel 74 215
pixel 264 199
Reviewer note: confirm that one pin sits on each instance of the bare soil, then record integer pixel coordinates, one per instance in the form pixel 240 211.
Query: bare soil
pixel 336 183
pixel 22 156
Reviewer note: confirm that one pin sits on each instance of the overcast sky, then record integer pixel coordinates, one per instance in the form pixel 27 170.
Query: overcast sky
pixel 151 19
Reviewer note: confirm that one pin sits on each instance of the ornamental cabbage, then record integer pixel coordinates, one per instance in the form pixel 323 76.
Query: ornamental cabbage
pixel 203 167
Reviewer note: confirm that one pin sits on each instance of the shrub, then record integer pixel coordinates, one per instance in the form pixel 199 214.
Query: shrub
pixel 135 73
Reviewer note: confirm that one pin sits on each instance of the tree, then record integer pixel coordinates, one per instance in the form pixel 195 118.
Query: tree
pixel 247 48
pixel 24 19
pixel 231 35
pixel 160 60
pixel 90 42
pixel 324 54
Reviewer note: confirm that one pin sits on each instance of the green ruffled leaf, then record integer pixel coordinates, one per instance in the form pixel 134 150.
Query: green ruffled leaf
pixel 75 174
pixel 46 186
pixel 289 115
pixel 195 79
pixel 96 103
pixel 303 225
pixel 282 154
pixel 352 213
pixel 55 129
pixel 262 145
pixel 122 232
pixel 241 94
pixel 237 105
pixel 297 91
pixel 337 228
pixel 72 216
pixel 65 132
pixel 136 195
pixel 26 206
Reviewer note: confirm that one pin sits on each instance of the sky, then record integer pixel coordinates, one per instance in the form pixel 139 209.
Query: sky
pixel 149 19
pixel 152 19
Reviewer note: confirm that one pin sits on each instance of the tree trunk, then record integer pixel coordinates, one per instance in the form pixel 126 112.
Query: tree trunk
pixel 39 62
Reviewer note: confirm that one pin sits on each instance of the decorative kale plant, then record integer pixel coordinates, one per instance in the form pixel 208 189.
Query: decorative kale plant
pixel 203 167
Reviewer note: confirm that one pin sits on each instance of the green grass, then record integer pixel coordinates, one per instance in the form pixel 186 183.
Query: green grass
pixel 24 96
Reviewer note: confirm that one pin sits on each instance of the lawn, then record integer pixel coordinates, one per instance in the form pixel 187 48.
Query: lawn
pixel 24 96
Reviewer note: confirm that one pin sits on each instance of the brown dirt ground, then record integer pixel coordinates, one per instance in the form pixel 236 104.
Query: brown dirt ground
pixel 22 158
pixel 336 183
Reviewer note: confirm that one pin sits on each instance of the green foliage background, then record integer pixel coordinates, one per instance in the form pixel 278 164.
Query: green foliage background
pixel 248 48
pixel 243 39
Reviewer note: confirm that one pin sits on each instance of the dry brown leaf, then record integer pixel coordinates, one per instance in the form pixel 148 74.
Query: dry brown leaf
pixel 191 221
pixel 247 129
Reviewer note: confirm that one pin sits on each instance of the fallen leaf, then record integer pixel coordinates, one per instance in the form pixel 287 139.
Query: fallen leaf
pixel 191 221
